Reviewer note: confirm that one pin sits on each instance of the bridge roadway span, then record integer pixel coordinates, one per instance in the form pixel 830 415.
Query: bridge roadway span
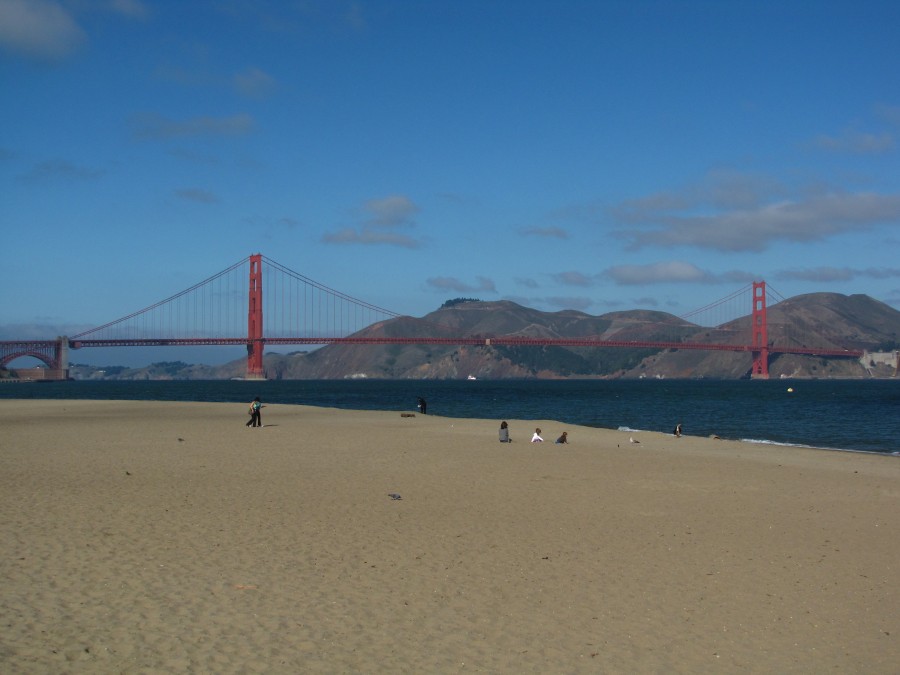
pixel 502 341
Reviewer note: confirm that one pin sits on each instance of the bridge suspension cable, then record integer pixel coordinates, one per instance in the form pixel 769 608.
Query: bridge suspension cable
pixel 169 302
pixel 702 315
pixel 293 306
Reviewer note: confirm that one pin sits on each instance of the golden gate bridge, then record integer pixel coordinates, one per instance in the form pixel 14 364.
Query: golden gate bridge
pixel 230 308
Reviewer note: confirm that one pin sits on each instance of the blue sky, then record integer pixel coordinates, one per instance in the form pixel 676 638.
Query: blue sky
pixel 597 156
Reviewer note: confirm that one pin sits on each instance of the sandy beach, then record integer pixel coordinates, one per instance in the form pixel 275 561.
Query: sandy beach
pixel 168 537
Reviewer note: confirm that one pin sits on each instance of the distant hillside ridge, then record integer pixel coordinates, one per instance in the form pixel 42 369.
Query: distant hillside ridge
pixel 828 320
pixel 818 319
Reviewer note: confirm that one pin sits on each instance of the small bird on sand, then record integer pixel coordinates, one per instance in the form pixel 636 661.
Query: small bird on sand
pixel 631 440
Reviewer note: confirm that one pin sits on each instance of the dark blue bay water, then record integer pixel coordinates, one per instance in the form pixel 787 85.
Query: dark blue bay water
pixel 859 415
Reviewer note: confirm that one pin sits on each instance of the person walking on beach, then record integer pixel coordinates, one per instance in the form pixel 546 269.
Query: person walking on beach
pixel 421 405
pixel 677 431
pixel 537 436
pixel 504 432
pixel 255 413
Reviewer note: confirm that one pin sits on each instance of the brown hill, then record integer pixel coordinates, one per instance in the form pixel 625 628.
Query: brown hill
pixel 819 319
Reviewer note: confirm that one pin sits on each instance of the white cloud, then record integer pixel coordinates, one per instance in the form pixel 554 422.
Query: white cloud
pixel 39 29
pixel 812 218
pixel 382 216
pixel 391 211
pixel 656 273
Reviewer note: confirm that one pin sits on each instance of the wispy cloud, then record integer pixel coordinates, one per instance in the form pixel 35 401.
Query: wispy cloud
pixel 391 211
pixel 197 195
pixel 856 142
pixel 574 279
pixel 674 271
pixel 354 17
pixel 254 83
pixel 382 218
pixel 553 232
pixel 827 274
pixel 42 30
pixel 889 113
pixel 656 273
pixel 569 302
pixel 190 155
pixel 368 236
pixel 60 168
pixel 152 126
pixel 804 218
pixel 134 9
pixel 47 30
pixel 483 285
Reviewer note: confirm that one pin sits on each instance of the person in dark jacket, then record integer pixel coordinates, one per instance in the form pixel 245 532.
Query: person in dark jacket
pixel 255 413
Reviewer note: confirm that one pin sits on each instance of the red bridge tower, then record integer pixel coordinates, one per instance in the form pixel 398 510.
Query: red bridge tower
pixel 255 342
pixel 759 342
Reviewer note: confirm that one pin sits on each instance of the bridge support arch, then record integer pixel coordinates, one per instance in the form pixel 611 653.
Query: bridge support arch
pixel 759 343
pixel 52 353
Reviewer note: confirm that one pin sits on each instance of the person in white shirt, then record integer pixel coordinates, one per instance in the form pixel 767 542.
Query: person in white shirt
pixel 537 436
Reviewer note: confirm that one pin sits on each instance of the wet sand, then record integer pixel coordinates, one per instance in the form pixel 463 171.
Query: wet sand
pixel 143 537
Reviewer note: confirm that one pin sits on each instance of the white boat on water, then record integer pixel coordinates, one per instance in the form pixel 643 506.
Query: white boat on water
pixel 471 377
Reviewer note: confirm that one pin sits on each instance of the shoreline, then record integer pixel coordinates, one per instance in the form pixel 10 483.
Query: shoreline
pixel 148 535
pixel 822 414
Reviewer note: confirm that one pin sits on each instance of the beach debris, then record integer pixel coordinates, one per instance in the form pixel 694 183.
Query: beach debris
pixel 180 440
pixel 394 496
pixel 407 414
pixel 632 440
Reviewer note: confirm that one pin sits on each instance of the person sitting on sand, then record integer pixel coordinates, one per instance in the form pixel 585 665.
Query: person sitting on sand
pixel 537 436
pixel 563 439
pixel 504 432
